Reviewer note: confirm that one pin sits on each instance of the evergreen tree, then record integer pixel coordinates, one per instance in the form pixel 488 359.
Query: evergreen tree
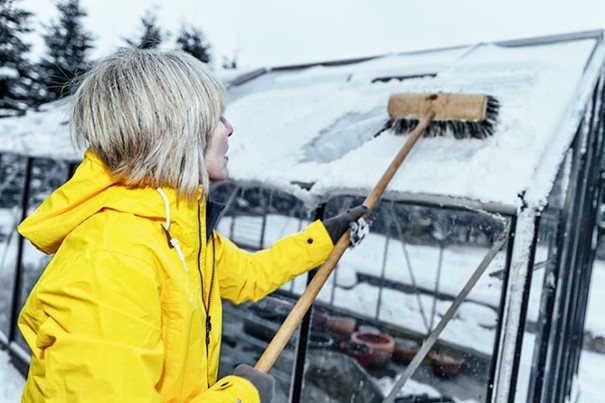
pixel 67 45
pixel 192 41
pixel 15 69
pixel 152 36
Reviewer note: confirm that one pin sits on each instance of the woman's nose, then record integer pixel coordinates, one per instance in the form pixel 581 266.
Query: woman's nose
pixel 227 125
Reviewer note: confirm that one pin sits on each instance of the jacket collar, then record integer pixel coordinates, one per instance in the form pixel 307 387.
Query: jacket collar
pixel 214 210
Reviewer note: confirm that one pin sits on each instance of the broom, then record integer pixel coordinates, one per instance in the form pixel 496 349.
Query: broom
pixel 462 115
pixel 459 115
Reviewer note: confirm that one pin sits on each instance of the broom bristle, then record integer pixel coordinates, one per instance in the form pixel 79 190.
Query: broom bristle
pixel 457 128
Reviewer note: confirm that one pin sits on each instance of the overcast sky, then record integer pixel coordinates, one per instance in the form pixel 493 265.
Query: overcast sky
pixel 280 32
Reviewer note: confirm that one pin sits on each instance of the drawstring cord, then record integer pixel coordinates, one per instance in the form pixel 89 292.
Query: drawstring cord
pixel 172 242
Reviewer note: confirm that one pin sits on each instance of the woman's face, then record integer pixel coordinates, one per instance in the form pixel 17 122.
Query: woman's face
pixel 215 156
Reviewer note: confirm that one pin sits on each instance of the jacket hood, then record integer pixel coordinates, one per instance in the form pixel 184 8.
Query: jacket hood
pixel 91 189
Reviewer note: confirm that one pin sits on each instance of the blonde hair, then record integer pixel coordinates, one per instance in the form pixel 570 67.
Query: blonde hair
pixel 149 116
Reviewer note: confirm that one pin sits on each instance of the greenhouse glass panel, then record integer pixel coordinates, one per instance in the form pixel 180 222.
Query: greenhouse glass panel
pixel 390 292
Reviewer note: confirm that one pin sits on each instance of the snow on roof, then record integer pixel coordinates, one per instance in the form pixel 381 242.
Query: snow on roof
pixel 45 133
pixel 316 125
pixel 42 134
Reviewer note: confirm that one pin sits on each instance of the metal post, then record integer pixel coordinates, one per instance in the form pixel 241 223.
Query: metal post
pixel 303 337
pixel 494 361
pixel 523 312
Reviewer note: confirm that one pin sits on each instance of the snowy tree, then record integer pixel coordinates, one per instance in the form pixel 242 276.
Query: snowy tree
pixel 229 63
pixel 152 35
pixel 68 44
pixel 15 69
pixel 193 41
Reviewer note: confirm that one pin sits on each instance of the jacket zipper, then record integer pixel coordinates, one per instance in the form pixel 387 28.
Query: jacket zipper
pixel 199 268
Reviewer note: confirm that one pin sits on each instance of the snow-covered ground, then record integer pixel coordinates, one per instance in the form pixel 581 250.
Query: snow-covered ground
pixel 592 387
pixel 11 382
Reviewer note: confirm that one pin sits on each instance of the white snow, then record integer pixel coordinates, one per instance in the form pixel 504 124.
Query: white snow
pixel 314 102
pixel 11 381
pixel 43 134
pixel 8 72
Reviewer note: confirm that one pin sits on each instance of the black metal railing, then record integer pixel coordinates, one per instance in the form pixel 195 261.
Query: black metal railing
pixel 25 181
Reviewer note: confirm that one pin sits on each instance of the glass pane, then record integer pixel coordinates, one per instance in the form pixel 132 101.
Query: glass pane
pixel 388 293
pixel 254 218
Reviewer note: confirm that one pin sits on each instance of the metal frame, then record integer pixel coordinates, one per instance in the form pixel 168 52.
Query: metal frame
pixel 574 272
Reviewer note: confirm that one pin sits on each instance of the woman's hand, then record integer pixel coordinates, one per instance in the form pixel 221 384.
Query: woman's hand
pixel 338 225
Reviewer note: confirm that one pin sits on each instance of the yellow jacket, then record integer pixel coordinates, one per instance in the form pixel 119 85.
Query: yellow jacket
pixel 116 316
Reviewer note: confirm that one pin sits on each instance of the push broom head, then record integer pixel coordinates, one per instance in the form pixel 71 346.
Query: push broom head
pixel 459 115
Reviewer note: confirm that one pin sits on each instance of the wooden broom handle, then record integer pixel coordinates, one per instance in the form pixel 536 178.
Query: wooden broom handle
pixel 287 329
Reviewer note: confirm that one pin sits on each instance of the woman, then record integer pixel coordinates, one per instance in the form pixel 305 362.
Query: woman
pixel 129 307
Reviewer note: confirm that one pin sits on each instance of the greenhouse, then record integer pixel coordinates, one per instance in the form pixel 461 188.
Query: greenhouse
pixel 481 249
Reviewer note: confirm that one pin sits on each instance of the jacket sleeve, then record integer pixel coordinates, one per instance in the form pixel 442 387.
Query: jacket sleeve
pixel 247 276
pixel 229 389
pixel 100 337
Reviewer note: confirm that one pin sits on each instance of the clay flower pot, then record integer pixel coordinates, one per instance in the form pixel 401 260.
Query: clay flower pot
pixel 445 365
pixel 360 352
pixel 381 346
pixel 321 340
pixel 341 327
pixel 405 350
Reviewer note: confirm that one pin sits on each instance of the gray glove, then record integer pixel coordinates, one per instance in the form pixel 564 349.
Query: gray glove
pixel 264 383
pixel 338 225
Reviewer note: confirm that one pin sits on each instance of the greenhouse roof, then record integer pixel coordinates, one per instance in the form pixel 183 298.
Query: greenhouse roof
pixel 313 128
